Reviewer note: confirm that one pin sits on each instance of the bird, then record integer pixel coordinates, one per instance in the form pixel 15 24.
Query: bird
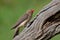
pixel 23 21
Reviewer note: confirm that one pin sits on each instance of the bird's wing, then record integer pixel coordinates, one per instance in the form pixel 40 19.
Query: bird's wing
pixel 24 17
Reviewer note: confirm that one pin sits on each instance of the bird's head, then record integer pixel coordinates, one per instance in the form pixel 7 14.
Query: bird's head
pixel 30 11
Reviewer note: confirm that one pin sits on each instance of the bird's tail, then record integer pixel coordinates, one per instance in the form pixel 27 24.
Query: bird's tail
pixel 13 28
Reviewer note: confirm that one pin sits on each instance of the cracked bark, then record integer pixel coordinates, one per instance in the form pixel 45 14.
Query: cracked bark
pixel 48 20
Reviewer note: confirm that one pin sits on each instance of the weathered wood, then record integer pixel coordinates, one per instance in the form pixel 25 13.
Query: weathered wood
pixel 48 20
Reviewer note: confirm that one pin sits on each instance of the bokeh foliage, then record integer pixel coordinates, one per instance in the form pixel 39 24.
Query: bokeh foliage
pixel 11 10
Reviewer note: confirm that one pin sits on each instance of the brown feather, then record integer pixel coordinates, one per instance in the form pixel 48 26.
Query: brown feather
pixel 22 21
pixel 24 17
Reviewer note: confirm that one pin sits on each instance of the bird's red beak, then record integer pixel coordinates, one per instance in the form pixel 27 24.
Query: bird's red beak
pixel 32 10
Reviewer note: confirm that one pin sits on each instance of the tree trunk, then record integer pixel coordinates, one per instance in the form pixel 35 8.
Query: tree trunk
pixel 45 25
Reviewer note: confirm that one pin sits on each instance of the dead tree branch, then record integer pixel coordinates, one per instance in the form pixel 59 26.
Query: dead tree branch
pixel 45 25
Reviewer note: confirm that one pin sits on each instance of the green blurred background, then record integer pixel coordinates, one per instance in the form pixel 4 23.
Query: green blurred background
pixel 11 10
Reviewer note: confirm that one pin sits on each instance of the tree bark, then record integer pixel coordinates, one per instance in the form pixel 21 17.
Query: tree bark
pixel 45 25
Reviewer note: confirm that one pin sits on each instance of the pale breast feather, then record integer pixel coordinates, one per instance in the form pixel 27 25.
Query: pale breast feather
pixel 23 18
